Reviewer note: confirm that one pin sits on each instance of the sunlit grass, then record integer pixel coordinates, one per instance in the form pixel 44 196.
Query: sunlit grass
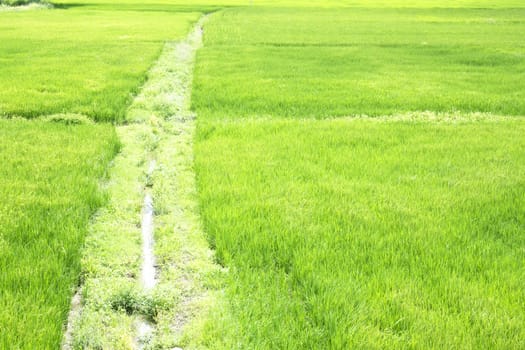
pixel 337 233
pixel 367 234
pixel 324 63
pixel 74 58
pixel 317 3
pixel 82 61
pixel 404 231
pixel 49 185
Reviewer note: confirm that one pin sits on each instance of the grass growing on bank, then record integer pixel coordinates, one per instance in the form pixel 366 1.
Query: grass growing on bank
pixel 323 63
pixel 49 185
pixel 367 234
pixel 79 60
pixel 188 280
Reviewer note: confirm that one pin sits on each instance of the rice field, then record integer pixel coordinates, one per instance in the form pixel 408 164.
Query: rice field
pixel 62 67
pixel 358 164
pixel 360 175
pixel 77 60
pixel 317 63
pixel 367 234
pixel 50 183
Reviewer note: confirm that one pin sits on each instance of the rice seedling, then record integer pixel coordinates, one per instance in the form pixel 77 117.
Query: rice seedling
pixel 49 185
pixel 394 228
pixel 363 233
pixel 335 62
pixel 76 60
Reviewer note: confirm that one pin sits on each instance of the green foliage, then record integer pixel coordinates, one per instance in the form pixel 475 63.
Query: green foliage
pixel 385 233
pixel 81 60
pixel 135 302
pixel 49 189
pixel 312 3
pixel 366 233
pixel 399 231
pixel 325 63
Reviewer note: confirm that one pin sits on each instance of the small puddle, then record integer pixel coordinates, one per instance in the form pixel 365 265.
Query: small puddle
pixel 144 333
pixel 74 312
pixel 148 271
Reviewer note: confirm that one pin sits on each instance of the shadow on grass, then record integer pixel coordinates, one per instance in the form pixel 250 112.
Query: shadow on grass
pixel 142 7
pixel 68 6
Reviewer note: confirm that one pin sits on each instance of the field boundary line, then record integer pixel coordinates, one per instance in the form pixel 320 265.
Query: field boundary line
pixel 414 116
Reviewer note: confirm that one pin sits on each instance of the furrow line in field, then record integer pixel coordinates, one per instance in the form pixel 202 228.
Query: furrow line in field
pixel 148 277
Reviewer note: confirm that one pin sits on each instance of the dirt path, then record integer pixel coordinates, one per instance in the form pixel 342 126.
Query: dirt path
pixel 143 278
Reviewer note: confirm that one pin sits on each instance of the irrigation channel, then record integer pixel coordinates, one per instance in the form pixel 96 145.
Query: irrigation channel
pixel 148 272
pixel 140 287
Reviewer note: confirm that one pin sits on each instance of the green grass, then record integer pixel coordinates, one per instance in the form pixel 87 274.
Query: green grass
pixel 367 234
pixel 49 190
pixel 403 231
pixel 87 61
pixel 324 63
pixel 90 58
pixel 318 3
pixel 71 59
pixel 337 233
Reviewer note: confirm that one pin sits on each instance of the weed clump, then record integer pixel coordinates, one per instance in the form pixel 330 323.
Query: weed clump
pixel 20 2
pixel 68 119
pixel 134 302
